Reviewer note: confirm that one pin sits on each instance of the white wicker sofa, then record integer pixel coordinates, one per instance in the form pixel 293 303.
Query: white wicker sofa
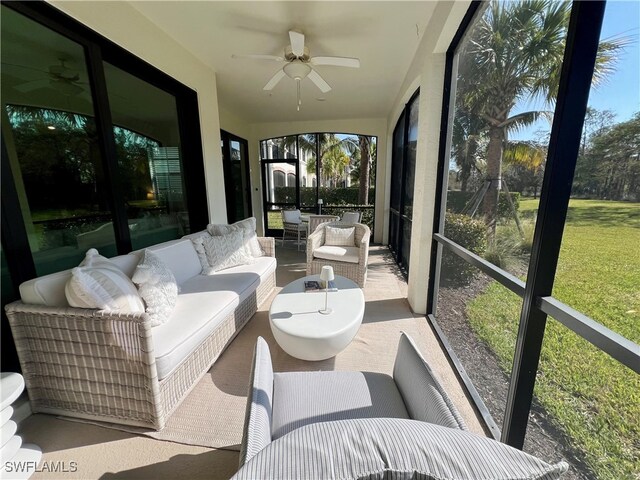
pixel 116 368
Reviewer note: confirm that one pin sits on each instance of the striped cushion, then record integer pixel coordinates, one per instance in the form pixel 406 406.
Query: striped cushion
pixel 301 398
pixel 385 448
pixel 423 395
pixel 257 421
pixel 340 237
pixel 99 283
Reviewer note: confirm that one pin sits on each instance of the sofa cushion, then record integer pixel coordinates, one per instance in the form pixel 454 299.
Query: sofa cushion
pixel 392 448
pixel 49 289
pixel 248 228
pixel 157 287
pixel 180 257
pixel 225 251
pixel 197 313
pixel 339 254
pixel 203 302
pixel 301 398
pixel 99 284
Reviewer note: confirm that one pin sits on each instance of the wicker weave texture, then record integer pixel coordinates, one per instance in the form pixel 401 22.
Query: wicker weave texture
pixel 353 271
pixel 100 365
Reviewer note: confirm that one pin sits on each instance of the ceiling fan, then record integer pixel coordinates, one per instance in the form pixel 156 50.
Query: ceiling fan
pixel 299 65
pixel 58 76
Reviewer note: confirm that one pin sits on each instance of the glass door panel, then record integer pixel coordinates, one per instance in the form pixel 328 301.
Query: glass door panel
pixel 148 147
pixel 308 169
pixel 280 184
pixel 235 162
pixel 396 188
pixel 52 145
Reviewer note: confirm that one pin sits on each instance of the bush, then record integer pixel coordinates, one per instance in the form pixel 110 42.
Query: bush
pixel 468 233
pixel 329 195
pixel 505 250
pixel 456 201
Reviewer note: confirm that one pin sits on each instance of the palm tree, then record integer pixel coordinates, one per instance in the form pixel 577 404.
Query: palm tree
pixel 515 52
pixel 364 144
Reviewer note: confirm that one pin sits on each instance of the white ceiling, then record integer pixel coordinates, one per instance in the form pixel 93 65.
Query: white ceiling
pixel 383 35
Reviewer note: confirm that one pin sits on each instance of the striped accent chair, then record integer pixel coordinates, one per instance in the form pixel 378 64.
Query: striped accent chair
pixel 281 402
pixel 368 426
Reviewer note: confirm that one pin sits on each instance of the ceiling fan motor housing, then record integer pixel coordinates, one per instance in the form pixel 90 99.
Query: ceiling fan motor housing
pixel 290 56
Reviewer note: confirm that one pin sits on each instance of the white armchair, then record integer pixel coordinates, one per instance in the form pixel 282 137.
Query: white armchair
pixel 349 261
pixel 351 217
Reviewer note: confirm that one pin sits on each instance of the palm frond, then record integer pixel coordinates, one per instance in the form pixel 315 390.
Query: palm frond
pixel 524 119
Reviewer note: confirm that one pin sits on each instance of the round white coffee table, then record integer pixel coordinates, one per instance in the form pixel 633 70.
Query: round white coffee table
pixel 303 332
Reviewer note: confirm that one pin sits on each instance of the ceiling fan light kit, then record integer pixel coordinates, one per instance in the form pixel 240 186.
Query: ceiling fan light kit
pixel 299 63
pixel 297 70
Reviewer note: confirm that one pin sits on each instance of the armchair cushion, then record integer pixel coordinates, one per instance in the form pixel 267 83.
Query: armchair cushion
pixel 313 397
pixel 385 448
pixel 339 237
pixel 291 216
pixel 339 254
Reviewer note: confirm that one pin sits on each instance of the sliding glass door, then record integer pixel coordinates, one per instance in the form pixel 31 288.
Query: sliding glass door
pixel 99 149
pixel 403 166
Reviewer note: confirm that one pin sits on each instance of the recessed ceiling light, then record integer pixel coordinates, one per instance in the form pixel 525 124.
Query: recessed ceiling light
pixel 51 127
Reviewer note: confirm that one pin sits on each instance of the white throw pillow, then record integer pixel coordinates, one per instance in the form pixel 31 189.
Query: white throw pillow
pixel 198 245
pixel 248 228
pixel 340 237
pixel 99 283
pixel 225 251
pixel 157 287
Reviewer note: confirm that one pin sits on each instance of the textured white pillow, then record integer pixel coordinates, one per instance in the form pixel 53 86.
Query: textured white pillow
pixel 248 228
pixel 157 287
pixel 99 283
pixel 198 245
pixel 340 237
pixel 225 251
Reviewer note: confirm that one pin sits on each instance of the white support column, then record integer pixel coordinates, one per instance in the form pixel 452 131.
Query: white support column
pixel 424 196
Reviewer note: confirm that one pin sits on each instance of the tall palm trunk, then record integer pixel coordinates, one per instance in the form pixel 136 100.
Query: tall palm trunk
pixel 494 167
pixel 365 154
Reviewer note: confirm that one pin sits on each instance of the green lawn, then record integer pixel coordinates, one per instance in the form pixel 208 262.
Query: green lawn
pixel 591 397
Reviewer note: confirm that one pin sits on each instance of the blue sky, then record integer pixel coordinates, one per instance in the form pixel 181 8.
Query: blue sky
pixel 621 92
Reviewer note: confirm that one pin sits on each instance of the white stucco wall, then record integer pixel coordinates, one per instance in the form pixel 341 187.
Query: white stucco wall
pixel 124 25
pixel 427 72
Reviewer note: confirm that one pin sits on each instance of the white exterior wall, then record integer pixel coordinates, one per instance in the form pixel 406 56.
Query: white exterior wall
pixel 427 72
pixel 124 25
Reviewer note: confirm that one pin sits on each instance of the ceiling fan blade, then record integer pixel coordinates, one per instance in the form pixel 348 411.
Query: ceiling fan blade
pixel 260 57
pixel 34 85
pixel 297 43
pixel 336 61
pixel 274 80
pixel 319 81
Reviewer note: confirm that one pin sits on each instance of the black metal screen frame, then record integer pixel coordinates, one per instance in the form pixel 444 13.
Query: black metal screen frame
pixel 583 36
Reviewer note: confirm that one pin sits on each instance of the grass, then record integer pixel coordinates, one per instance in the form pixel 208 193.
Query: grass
pixel 594 399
